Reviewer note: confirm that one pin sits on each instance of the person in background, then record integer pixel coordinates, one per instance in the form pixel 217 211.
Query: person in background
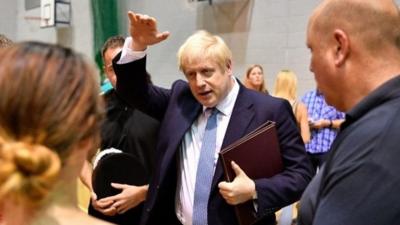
pixel 254 78
pixel 50 116
pixel 130 131
pixel 324 121
pixel 198 118
pixel 355 58
pixel 286 87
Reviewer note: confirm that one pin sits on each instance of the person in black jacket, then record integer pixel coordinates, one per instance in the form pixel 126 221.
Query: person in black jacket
pixel 129 131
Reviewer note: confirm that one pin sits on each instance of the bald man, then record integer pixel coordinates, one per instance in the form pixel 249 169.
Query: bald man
pixel 355 47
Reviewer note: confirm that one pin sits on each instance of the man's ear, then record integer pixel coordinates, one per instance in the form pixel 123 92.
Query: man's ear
pixel 342 47
pixel 229 66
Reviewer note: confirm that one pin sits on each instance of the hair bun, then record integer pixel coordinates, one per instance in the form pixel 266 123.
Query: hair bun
pixel 27 171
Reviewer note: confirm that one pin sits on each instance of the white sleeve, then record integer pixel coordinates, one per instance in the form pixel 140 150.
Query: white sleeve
pixel 128 55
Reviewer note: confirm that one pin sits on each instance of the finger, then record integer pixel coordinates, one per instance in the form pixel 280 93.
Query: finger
pixel 111 199
pixel 121 207
pixel 151 21
pixel 236 168
pixel 118 186
pixel 124 210
pixel 117 205
pixel 148 20
pixel 142 19
pixel 145 17
pixel 162 36
pixel 132 17
pixel 110 211
pixel 104 205
pixel 223 192
pixel 224 186
pixel 96 205
pixel 228 199
pixel 225 195
pixel 93 196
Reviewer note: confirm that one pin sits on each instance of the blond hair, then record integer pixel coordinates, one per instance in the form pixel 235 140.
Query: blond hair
pixel 201 45
pixel 286 85
pixel 49 102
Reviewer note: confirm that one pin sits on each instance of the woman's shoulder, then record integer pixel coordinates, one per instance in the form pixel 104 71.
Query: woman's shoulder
pixel 67 216
pixel 94 221
pixel 84 220
pixel 301 108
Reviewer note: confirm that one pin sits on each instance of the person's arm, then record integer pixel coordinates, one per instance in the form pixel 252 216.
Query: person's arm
pixel 286 187
pixel 303 121
pixel 143 31
pixel 242 188
pixel 132 78
pixel 336 123
pixel 319 124
pixel 326 123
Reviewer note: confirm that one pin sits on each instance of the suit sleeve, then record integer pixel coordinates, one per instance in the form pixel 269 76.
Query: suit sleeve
pixel 135 89
pixel 285 188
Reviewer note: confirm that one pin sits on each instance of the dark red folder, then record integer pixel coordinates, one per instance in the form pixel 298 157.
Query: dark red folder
pixel 259 156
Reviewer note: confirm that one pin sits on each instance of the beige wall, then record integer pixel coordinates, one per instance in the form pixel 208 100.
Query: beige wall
pixel 267 32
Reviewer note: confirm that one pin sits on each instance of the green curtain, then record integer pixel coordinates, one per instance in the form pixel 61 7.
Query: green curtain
pixel 105 24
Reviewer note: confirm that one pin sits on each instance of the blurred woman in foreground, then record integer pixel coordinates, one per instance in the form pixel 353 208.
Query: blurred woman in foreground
pixel 50 112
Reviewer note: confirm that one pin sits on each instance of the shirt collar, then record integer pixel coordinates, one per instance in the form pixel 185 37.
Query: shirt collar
pixel 226 105
pixel 384 93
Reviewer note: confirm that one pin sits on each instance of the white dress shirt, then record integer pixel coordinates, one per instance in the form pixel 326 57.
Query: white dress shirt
pixel 189 154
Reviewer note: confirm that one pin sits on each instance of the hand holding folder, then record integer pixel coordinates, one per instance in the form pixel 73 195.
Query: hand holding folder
pixel 258 155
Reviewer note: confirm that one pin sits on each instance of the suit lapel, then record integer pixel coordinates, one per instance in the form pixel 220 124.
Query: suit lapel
pixel 183 117
pixel 241 117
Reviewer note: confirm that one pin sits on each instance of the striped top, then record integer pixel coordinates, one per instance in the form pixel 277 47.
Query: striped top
pixel 321 139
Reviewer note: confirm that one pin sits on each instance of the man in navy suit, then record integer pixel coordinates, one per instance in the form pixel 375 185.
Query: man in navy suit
pixel 206 62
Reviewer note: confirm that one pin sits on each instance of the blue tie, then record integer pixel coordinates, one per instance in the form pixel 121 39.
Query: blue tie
pixel 205 171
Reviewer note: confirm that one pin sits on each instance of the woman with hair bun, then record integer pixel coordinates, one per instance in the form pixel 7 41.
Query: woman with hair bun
pixel 50 113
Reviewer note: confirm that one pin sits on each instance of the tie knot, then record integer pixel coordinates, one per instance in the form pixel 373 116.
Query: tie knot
pixel 212 111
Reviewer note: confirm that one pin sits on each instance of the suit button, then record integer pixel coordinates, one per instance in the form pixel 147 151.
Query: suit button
pixel 158 187
pixel 148 209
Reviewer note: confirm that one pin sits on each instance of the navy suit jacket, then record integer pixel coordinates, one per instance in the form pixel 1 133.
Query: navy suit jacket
pixel 177 109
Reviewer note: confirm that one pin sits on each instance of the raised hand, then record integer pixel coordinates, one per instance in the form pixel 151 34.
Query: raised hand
pixel 143 30
pixel 240 190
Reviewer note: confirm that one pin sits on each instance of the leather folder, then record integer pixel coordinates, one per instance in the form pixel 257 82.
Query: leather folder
pixel 258 155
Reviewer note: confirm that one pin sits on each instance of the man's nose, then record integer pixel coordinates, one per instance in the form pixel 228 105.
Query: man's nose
pixel 199 80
